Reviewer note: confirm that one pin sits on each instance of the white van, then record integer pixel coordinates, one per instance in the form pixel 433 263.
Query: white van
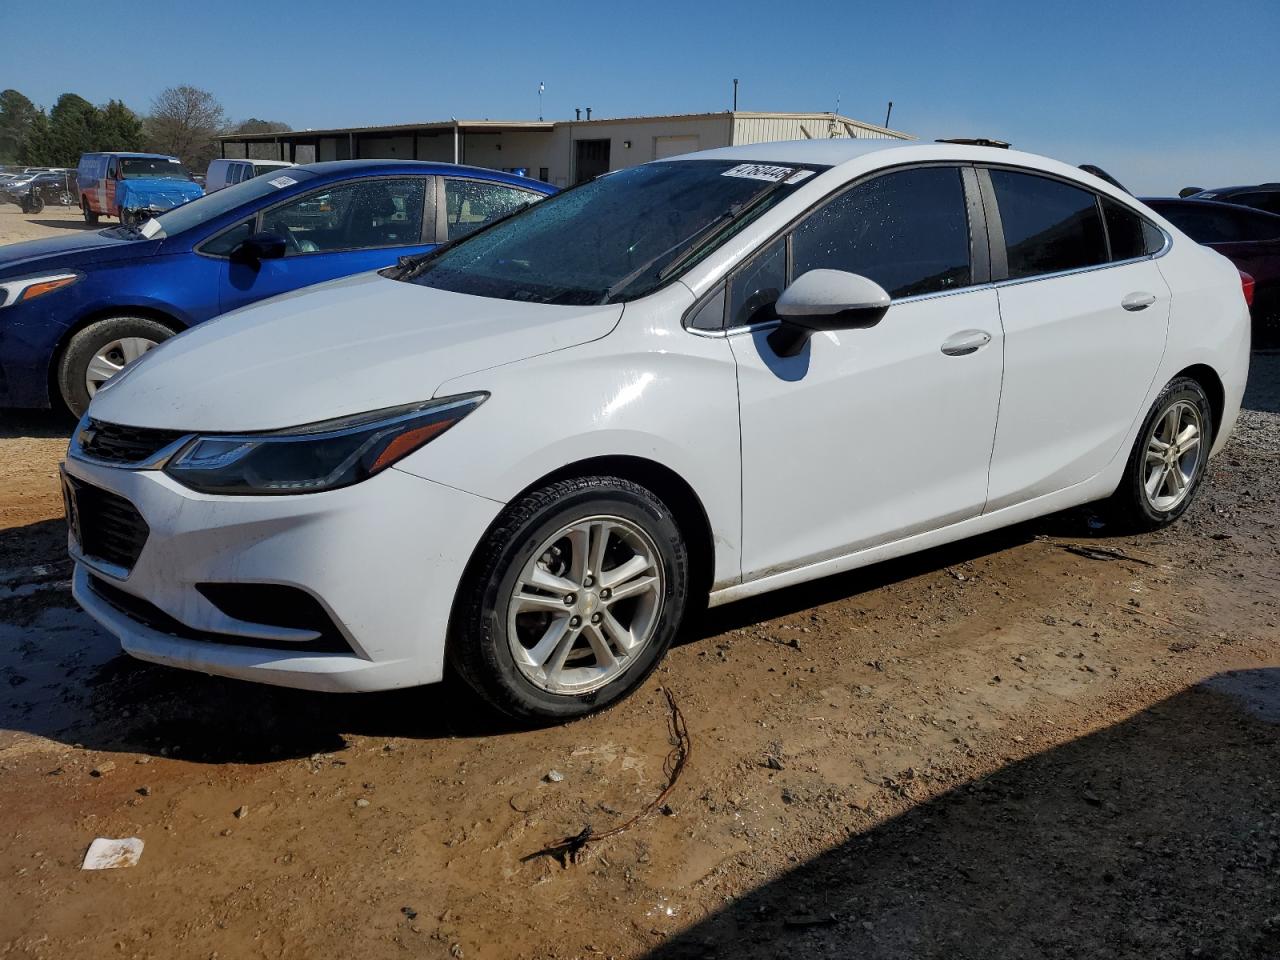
pixel 223 173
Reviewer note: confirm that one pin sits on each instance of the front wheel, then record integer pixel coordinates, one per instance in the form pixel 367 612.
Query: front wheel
pixel 1168 460
pixel 571 600
pixel 100 351
pixel 33 204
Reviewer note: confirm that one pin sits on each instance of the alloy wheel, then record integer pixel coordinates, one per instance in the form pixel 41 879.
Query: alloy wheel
pixel 586 605
pixel 1173 456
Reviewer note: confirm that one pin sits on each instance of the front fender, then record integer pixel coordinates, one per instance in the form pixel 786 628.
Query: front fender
pixel 646 391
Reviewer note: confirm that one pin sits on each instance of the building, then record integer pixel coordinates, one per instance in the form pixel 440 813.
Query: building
pixel 562 152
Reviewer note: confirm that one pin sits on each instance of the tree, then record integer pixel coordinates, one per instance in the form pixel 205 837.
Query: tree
pixel 254 125
pixel 16 115
pixel 183 122
pixel 36 147
pixel 118 128
pixel 72 123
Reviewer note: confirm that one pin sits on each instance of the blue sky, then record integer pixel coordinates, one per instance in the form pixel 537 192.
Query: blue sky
pixel 1163 94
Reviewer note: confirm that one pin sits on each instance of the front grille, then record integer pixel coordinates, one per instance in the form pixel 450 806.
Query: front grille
pixel 149 615
pixel 119 444
pixel 108 527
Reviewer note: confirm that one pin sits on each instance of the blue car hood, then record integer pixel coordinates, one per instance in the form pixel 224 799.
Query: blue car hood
pixel 159 193
pixel 72 250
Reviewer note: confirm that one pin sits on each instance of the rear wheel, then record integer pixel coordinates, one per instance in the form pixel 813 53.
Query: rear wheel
pixel 89 215
pixel 100 351
pixel 572 599
pixel 33 203
pixel 1168 460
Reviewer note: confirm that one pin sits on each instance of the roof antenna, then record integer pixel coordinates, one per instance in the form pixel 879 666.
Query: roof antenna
pixel 888 113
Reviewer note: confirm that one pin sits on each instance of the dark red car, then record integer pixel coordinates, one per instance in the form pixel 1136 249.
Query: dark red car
pixel 1247 237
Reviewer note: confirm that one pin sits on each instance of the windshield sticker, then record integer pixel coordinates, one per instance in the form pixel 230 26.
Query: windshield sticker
pixel 800 175
pixel 281 182
pixel 758 171
pixel 150 228
pixel 174 160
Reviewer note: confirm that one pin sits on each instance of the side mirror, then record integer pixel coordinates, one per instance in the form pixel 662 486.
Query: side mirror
pixel 825 300
pixel 259 247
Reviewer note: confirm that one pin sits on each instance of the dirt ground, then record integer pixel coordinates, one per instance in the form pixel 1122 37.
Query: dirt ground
pixel 1048 742
pixel 49 222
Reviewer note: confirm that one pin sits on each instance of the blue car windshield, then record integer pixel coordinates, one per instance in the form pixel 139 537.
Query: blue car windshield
pixel 615 238
pixel 213 205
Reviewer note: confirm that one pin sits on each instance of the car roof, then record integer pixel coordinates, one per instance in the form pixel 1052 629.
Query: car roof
pixel 833 153
pixel 1232 208
pixel 1256 188
pixel 128 153
pixel 336 167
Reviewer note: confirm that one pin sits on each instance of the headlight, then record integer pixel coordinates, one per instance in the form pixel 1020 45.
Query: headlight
pixel 319 456
pixel 28 288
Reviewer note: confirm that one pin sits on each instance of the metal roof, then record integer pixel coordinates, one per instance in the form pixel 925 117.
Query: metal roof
pixel 528 126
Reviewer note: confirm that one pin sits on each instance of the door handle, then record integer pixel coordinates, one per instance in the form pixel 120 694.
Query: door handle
pixel 1138 301
pixel 965 342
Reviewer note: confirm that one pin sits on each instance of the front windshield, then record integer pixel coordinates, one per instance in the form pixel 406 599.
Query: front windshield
pixel 213 205
pixel 616 238
pixel 136 168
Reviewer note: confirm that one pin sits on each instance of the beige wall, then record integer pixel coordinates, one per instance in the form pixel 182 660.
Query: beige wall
pixel 631 142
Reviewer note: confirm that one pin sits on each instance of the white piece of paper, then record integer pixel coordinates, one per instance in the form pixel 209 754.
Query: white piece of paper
pixel 280 182
pixel 105 854
pixel 150 228
pixel 758 171
pixel 800 175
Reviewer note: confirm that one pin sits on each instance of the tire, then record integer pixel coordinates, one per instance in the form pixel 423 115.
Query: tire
pixel 482 645
pixel 35 203
pixel 74 362
pixel 89 215
pixel 1132 506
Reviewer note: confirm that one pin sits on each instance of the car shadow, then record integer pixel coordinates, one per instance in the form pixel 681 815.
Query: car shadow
pixel 1078 523
pixel 1155 837
pixel 68 224
pixel 35 423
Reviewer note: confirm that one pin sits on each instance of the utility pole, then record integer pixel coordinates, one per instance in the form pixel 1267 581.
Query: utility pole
pixel 735 94
pixel 541 86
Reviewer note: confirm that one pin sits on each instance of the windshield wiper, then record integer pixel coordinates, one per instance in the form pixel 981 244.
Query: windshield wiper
pixel 691 245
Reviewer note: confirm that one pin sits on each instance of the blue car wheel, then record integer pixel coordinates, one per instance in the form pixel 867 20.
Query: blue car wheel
pixel 100 351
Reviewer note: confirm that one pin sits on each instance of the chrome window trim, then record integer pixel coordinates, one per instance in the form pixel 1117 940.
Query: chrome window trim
pixel 1168 245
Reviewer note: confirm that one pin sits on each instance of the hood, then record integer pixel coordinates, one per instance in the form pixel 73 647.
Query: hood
pixel 75 248
pixel 344 347
pixel 158 192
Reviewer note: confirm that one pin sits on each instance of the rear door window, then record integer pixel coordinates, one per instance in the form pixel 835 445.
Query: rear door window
pixel 1130 235
pixel 1049 226
pixel 908 231
pixel 471 204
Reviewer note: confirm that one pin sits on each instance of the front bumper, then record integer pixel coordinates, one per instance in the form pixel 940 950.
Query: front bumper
pixel 384 558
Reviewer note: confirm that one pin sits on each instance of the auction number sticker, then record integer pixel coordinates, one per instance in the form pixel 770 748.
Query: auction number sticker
pixel 758 171
pixel 281 182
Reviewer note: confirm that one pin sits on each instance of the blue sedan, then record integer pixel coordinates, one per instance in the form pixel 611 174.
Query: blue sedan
pixel 74 310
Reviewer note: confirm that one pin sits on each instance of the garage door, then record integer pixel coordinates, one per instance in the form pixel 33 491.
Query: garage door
pixel 664 147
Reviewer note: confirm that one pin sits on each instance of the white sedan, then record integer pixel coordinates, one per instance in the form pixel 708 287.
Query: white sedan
pixel 533 452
